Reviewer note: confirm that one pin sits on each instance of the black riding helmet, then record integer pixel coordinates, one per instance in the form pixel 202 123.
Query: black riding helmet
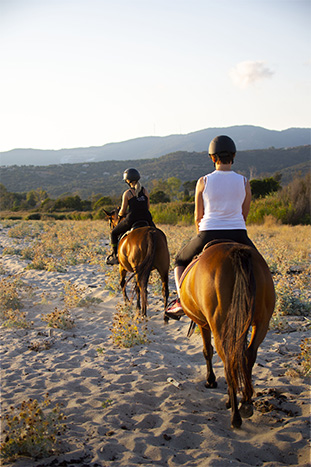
pixel 222 145
pixel 132 175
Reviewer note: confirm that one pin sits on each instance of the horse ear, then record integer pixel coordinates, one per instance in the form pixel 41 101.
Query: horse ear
pixel 109 214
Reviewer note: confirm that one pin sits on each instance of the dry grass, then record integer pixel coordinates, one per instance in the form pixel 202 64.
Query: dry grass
pixel 55 246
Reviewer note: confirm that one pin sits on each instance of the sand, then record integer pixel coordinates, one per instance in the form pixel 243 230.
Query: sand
pixel 147 405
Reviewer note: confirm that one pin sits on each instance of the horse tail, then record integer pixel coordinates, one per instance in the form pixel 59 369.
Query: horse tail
pixel 144 268
pixel 239 320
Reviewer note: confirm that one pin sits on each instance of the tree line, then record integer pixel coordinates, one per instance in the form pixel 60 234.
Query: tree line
pixel 295 198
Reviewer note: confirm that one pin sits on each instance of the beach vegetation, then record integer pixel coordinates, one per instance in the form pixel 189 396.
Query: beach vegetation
pixel 60 319
pixel 11 304
pixel 128 329
pixel 107 403
pixel 74 296
pixel 32 429
pixel 54 246
pixel 305 356
pixel 112 282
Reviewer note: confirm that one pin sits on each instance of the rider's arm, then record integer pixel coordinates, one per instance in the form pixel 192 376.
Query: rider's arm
pixel 247 200
pixel 124 204
pixel 199 206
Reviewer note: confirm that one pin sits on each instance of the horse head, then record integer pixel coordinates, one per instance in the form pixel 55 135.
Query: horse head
pixel 113 217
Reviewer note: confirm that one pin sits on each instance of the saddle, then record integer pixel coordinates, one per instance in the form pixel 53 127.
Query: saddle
pixel 196 258
pixel 136 225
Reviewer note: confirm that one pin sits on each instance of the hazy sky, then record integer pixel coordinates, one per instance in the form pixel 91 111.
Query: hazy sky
pixel 79 73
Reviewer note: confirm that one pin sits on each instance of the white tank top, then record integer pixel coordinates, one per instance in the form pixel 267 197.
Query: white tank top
pixel 223 196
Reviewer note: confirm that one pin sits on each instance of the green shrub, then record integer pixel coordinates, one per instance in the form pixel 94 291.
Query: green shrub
pixel 264 187
pixel 173 213
pixel 269 206
pixel 36 216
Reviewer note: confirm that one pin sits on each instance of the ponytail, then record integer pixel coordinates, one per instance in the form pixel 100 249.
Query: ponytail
pixel 137 188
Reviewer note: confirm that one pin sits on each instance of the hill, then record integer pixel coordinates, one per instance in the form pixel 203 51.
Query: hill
pixel 106 177
pixel 247 137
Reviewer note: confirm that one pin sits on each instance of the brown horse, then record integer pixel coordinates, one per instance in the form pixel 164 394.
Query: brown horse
pixel 140 251
pixel 229 289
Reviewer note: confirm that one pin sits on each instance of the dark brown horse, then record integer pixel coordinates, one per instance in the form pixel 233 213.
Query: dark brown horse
pixel 140 251
pixel 227 291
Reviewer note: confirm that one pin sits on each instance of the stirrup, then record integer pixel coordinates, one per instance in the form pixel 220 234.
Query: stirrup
pixel 112 259
pixel 172 313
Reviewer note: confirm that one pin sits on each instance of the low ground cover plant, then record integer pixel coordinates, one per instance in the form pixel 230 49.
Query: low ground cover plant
pixel 32 430
pixel 60 319
pixel 11 314
pixel 53 246
pixel 127 328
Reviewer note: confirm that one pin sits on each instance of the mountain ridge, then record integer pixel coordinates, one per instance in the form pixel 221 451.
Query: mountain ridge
pixel 246 137
pixel 105 177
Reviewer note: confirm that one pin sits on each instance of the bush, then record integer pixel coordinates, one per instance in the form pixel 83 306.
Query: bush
pixel 68 203
pixel 262 188
pixel 267 207
pixel 103 201
pixel 159 196
pixel 36 216
pixel 289 206
pixel 32 429
pixel 297 196
pixel 173 213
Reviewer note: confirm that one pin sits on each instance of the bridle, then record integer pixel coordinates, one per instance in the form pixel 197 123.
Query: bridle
pixel 114 219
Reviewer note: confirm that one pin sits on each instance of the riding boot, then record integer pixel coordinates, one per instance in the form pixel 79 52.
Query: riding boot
pixel 113 257
pixel 174 310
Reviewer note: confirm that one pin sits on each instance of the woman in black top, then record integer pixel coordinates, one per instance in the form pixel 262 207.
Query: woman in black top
pixel 136 199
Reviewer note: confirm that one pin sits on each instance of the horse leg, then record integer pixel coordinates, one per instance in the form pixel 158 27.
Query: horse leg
pixel 137 290
pixel 246 407
pixel 143 292
pixel 165 291
pixel 258 334
pixel 208 355
pixel 236 420
pixel 123 284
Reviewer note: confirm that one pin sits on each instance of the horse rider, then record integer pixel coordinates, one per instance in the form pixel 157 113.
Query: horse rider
pixel 222 203
pixel 136 200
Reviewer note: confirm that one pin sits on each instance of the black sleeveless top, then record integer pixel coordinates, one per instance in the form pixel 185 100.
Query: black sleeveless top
pixel 138 208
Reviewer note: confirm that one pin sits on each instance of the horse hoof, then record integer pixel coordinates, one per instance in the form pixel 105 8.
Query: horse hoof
pixel 211 385
pixel 246 410
pixel 236 426
pixel 236 422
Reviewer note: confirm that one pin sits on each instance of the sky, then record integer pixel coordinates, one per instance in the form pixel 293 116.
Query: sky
pixel 80 73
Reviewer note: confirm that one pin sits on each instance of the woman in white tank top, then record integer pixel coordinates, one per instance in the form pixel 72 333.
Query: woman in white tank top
pixel 222 202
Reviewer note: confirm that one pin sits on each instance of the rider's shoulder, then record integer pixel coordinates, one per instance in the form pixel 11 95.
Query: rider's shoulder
pixel 128 193
pixel 201 183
